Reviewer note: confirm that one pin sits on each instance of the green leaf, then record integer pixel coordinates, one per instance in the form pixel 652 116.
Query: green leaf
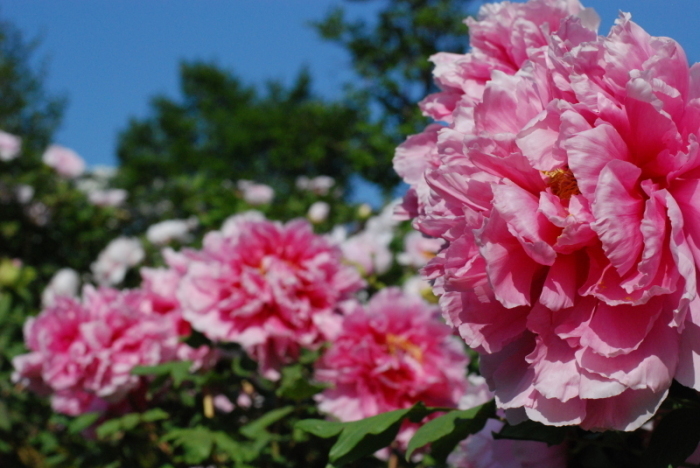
pixel 674 439
pixel 179 371
pixel 155 414
pixel 366 436
pixel 296 386
pixel 258 427
pixel 196 443
pixel 5 423
pixel 532 430
pixel 320 428
pixel 446 431
pixel 82 422
pixel 130 421
pixel 108 428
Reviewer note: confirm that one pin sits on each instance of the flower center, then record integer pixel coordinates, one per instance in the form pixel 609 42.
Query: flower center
pixel 562 182
pixel 397 343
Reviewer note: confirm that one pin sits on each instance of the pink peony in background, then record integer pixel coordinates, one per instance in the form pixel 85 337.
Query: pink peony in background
pixel 115 260
pixel 391 354
pixel 10 146
pixel 64 161
pixel 270 287
pixel 82 352
pixel 564 183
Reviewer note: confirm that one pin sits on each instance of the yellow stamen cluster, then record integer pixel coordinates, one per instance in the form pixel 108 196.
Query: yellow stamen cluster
pixel 562 183
pixel 396 343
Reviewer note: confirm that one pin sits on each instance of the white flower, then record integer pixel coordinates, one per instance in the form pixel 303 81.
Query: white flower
pixel 64 283
pixel 170 230
pixel 114 261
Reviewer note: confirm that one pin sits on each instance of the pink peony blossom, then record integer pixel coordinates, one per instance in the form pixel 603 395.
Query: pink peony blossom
pixel 82 352
pixel 390 355
pixel 270 287
pixel 10 146
pixel 64 161
pixel 565 187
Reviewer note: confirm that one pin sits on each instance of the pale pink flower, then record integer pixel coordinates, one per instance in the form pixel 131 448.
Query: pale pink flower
pixel 64 161
pixel 82 352
pixel 65 282
pixel 566 192
pixel 320 185
pixel 418 249
pixel 115 260
pixel 24 193
pixel 256 194
pixel 170 230
pixel 107 197
pixel 318 212
pixel 10 146
pixel 272 288
pixel 391 354
pixel 481 450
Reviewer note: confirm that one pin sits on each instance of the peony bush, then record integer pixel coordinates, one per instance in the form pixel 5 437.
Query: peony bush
pixel 531 300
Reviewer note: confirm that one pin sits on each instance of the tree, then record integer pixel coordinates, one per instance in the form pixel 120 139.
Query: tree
pixel 222 129
pixel 391 59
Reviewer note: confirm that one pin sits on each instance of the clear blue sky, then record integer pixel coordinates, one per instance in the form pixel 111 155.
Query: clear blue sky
pixel 111 57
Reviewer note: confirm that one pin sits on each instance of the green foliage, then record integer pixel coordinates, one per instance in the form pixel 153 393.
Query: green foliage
pixel 390 55
pixel 532 430
pixel 446 431
pixel 674 439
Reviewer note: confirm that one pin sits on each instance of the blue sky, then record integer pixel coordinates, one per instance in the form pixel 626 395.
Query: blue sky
pixel 111 57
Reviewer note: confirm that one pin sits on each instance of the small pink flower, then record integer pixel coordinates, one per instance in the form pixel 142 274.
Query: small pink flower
pixel 390 355
pixel 10 146
pixel 109 197
pixel 171 230
pixel 64 161
pixel 256 194
pixel 270 287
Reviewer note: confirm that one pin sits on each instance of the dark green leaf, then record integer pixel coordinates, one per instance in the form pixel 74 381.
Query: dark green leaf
pixel 366 436
pixel 130 421
pixel 196 443
pixel 5 423
pixel 257 428
pixel 532 430
pixel 108 428
pixel 82 422
pixel 674 439
pixel 155 414
pixel 320 428
pixel 446 431
pixel 295 385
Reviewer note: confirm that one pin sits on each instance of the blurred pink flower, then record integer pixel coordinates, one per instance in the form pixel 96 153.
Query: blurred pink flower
pixel 10 146
pixel 565 187
pixel 272 288
pixel 318 212
pixel 82 352
pixel 64 161
pixel 171 230
pixel 391 354
pixel 418 249
pixel 256 194
pixel 108 197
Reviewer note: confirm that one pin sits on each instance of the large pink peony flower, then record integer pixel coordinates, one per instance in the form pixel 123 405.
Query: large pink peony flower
pixel 391 354
pixel 566 190
pixel 66 162
pixel 272 288
pixel 82 353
